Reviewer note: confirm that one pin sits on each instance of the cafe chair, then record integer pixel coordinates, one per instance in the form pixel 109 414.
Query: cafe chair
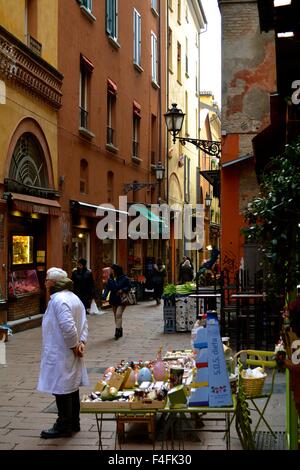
pixel 256 390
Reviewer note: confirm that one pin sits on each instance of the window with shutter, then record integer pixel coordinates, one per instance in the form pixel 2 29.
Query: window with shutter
pixel 136 37
pixel 112 18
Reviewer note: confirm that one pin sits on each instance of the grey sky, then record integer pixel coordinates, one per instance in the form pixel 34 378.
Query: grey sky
pixel 210 51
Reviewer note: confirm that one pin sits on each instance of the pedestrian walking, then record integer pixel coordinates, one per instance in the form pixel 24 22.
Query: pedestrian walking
pixel 84 285
pixel 62 369
pixel 158 278
pixel 186 270
pixel 117 284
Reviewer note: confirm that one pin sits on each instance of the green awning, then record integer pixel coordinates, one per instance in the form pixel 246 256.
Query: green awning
pixel 157 223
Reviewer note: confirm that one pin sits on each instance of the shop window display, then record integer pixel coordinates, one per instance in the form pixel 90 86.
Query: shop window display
pixel 22 249
pixel 23 282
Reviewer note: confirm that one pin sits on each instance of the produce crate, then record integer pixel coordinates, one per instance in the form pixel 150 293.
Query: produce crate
pixel 147 404
pixel 170 325
pixel 169 301
pixel 169 312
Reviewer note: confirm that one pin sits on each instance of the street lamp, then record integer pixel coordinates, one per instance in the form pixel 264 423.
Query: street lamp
pixel 159 175
pixel 174 119
pixel 159 171
pixel 208 200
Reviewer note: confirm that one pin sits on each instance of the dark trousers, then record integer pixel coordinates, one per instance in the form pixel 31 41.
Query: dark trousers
pixel 68 407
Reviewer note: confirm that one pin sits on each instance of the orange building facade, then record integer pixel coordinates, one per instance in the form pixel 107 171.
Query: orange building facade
pixel 110 132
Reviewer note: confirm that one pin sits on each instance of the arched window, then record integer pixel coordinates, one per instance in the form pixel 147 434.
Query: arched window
pixel 110 186
pixel 28 165
pixel 84 176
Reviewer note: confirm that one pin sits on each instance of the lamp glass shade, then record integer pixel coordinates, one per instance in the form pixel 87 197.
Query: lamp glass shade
pixel 174 119
pixel 159 171
pixel 208 200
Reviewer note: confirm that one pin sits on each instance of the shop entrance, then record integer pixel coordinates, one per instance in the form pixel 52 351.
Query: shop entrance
pixel 26 264
pixel 80 246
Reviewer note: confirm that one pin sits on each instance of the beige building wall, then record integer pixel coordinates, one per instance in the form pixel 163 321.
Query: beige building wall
pixel 185 24
pixel 210 124
pixel 18 103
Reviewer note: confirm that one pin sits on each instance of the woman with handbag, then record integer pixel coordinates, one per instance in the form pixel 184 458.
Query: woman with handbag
pixel 117 285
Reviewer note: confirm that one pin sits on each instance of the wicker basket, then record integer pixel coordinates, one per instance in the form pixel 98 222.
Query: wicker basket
pixel 253 386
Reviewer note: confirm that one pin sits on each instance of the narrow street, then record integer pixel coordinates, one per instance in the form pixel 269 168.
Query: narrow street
pixel 24 412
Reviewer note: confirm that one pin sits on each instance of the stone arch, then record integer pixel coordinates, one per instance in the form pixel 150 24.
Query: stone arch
pixel 30 127
pixel 175 191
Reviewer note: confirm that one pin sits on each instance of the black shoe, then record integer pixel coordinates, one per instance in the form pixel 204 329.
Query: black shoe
pixel 76 428
pixel 53 433
pixel 118 333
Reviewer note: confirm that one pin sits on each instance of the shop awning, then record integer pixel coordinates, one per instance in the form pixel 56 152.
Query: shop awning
pixel 213 177
pixel 147 213
pixel 26 203
pixel 237 160
pixel 160 223
pixel 85 205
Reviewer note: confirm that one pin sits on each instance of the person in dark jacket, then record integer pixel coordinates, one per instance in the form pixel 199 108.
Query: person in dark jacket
pixel 158 277
pixel 84 286
pixel 117 284
pixel 186 270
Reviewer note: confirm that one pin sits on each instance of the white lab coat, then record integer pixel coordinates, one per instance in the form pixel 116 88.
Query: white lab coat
pixel 64 324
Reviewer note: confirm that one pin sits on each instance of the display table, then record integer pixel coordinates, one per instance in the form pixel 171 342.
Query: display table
pixel 179 415
pixel 170 416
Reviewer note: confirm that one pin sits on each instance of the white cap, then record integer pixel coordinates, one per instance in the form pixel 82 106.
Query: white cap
pixel 56 274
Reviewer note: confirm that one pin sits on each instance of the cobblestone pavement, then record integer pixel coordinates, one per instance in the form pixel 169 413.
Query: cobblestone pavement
pixel 24 412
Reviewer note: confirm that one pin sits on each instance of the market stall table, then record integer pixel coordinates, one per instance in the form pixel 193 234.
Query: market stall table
pixel 113 413
pixel 169 418
pixel 179 415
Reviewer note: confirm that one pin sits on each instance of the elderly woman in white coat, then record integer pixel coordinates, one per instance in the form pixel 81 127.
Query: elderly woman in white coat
pixel 62 370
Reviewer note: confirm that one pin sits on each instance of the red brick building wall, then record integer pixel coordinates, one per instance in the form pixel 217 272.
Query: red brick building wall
pixel 248 78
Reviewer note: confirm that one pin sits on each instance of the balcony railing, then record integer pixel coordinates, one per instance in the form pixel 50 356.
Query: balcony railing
pixel 83 117
pixel 26 69
pixel 135 149
pixel 110 136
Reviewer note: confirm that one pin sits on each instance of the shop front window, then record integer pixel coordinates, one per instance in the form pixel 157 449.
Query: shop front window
pixel 23 282
pixel 22 249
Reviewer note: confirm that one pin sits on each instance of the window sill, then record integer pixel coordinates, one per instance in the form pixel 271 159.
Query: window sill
pixel 187 75
pixel 155 84
pixel 86 133
pixel 111 148
pixel 136 159
pixel 138 67
pixel 171 70
pixel 88 14
pixel 155 12
pixel 114 42
pixel 179 81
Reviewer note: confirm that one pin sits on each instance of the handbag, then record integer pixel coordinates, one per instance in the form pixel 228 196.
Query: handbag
pixel 128 298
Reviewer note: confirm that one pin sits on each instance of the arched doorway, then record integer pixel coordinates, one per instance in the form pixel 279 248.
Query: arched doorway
pixel 28 165
pixel 31 203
